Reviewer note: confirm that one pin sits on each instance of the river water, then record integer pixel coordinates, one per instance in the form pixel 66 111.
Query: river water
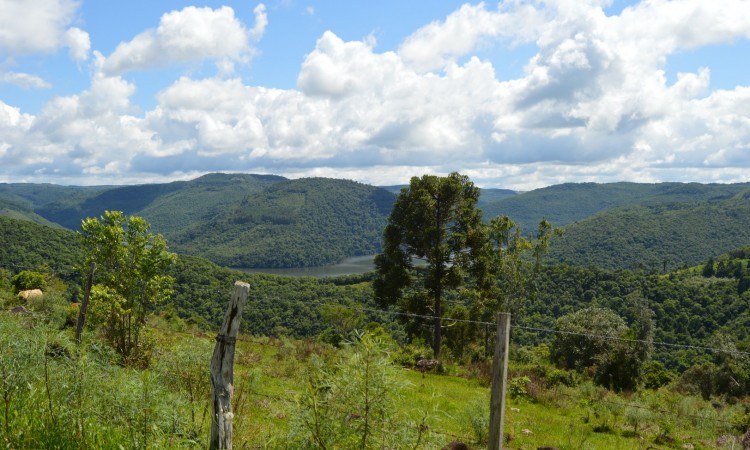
pixel 349 266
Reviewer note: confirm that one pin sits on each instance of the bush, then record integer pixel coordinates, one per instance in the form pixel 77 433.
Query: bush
pixel 26 279
pixel 519 387
pixel 557 377
pixel 655 375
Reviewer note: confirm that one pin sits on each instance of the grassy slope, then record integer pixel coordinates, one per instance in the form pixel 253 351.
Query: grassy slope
pixel 271 373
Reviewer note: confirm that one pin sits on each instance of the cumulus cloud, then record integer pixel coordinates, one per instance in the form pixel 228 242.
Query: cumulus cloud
pixel 40 26
pixel 78 43
pixel 191 34
pixel 593 104
pixel 37 26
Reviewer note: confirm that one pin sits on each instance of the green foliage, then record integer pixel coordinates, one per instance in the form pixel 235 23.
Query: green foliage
pixel 519 386
pixel 595 338
pixel 655 237
pixel 436 220
pixel 130 280
pixel 567 203
pixel 27 279
pixel 655 375
pixel 296 223
pixel 29 246
pixel 709 268
pixel 353 404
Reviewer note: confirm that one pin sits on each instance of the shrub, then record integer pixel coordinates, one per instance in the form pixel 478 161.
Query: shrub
pixel 26 280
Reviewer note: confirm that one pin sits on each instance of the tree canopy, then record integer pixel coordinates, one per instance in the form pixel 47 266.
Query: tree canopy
pixel 435 220
pixel 131 278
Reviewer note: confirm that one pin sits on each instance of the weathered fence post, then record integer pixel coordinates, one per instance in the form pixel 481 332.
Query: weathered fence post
pixel 499 375
pixel 222 370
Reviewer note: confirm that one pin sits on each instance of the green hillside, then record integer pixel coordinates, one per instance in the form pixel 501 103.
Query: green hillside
pixel 9 208
pixel 295 223
pixel 128 199
pixel 168 206
pixel 32 195
pixel 202 198
pixel 652 236
pixel 486 195
pixel 28 245
pixel 567 203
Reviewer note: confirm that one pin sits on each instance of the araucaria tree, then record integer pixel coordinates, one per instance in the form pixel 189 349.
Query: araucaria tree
pixel 435 220
pixel 130 280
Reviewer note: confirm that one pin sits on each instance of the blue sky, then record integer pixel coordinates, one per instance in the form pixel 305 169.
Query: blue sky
pixel 516 94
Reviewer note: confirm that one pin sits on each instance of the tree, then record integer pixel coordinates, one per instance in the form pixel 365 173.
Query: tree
pixel 708 268
pixel 130 279
pixel 599 339
pixel 434 220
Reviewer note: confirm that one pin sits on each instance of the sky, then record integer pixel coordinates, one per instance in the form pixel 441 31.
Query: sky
pixel 516 94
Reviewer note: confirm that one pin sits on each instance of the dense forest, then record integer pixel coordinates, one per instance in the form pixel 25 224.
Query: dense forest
pixel 568 203
pixel 664 235
pixel 309 222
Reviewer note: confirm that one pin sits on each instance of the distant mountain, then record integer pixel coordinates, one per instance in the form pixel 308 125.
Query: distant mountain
pixel 168 206
pixel 486 196
pixel 656 235
pixel 23 200
pixel 9 208
pixel 201 199
pixel 246 220
pixel 490 195
pixel 567 203
pixel 293 223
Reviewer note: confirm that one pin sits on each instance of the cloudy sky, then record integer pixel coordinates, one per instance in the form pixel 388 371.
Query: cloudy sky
pixel 517 94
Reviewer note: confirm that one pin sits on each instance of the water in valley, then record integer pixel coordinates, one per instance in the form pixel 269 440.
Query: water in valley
pixel 349 266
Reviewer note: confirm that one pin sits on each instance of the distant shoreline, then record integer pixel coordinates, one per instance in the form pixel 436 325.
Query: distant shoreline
pixel 348 266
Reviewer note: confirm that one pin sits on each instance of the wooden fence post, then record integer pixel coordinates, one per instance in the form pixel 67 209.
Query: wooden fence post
pixel 222 370
pixel 499 375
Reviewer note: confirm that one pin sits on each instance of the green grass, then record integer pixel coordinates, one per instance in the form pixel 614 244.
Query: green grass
pixel 270 374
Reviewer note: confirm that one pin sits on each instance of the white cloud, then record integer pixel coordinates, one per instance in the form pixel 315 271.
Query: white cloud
pixel 594 103
pixel 37 26
pixel 438 44
pixel 189 35
pixel 24 80
pixel 261 22
pixel 78 43
pixel 31 26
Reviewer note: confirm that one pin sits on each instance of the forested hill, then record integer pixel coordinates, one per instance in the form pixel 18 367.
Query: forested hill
pixel 294 223
pixel 658 235
pixel 486 195
pixel 23 200
pixel 568 203
pixel 167 206
pixel 28 245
